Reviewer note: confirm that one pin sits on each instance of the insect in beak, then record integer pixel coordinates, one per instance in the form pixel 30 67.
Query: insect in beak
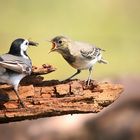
pixel 31 43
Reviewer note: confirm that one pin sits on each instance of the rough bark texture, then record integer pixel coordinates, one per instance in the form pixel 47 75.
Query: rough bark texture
pixel 52 98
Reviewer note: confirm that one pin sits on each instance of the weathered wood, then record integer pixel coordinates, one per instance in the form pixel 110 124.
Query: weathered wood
pixel 52 98
pixel 44 69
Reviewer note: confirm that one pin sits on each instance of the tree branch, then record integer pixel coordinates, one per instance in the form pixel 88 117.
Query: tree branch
pixel 52 98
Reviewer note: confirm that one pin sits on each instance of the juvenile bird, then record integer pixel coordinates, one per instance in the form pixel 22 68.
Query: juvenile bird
pixel 16 64
pixel 79 55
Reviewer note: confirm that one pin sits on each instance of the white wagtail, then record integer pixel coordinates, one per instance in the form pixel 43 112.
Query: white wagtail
pixel 16 64
pixel 79 55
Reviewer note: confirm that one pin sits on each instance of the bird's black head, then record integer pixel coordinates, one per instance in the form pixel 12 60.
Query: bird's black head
pixel 15 47
pixel 19 47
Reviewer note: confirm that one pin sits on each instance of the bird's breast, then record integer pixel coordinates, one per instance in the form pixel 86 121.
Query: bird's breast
pixel 16 78
pixel 82 64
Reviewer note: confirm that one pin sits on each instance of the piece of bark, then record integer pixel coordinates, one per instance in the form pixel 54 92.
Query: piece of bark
pixel 40 104
pixel 44 69
pixel 51 98
pixel 35 77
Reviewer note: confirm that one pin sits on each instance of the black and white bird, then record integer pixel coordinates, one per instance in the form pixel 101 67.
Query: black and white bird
pixel 79 55
pixel 16 64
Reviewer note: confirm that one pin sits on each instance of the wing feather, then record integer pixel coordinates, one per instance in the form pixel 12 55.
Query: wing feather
pixel 15 66
pixel 91 54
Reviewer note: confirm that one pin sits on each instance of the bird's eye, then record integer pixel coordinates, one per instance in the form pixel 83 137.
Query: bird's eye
pixel 27 43
pixel 59 41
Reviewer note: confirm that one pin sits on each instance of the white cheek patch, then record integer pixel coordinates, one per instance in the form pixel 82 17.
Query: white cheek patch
pixel 23 48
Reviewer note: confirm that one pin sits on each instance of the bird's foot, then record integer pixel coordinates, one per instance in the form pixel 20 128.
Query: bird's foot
pixel 88 82
pixel 21 104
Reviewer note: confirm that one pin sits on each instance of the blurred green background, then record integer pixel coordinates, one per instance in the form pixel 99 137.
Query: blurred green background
pixel 113 25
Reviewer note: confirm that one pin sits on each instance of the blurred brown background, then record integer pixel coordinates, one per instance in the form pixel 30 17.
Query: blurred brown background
pixel 111 25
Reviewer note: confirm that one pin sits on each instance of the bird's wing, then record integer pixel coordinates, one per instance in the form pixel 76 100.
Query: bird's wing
pixel 15 65
pixel 91 53
pixel 2 70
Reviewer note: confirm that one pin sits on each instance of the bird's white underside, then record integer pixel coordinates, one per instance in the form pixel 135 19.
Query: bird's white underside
pixel 12 80
pixel 15 80
pixel 82 63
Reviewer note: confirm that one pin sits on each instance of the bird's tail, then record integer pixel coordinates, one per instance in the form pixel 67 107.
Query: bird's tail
pixel 103 61
pixel 101 49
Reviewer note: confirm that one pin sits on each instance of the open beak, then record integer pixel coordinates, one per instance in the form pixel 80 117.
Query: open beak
pixel 33 43
pixel 54 46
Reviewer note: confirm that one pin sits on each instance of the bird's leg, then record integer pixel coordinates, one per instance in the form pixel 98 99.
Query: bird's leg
pixel 78 71
pixel 89 77
pixel 21 102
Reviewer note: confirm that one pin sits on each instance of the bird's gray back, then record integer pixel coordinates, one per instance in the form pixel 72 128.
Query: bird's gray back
pixel 9 57
pixel 16 64
pixel 83 46
pixel 11 75
pixel 85 50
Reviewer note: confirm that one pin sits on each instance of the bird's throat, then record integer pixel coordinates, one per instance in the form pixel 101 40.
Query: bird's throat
pixel 24 54
pixel 67 55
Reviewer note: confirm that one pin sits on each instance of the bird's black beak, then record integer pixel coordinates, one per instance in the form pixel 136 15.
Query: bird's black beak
pixel 33 43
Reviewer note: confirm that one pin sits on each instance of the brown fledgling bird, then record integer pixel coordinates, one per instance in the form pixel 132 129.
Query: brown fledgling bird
pixel 79 55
